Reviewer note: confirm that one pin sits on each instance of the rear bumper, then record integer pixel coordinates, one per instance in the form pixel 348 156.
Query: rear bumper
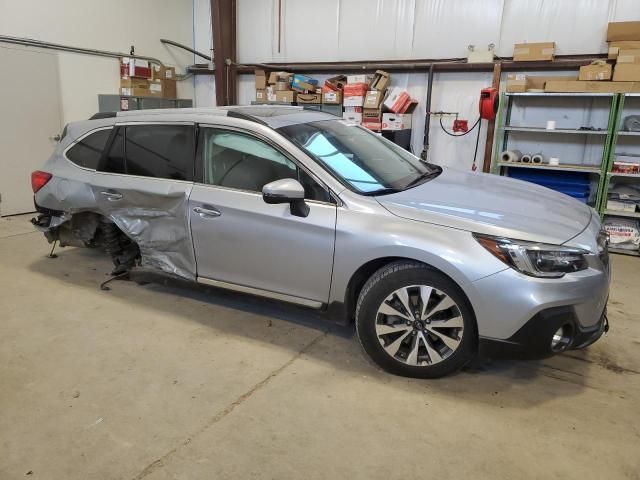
pixel 533 339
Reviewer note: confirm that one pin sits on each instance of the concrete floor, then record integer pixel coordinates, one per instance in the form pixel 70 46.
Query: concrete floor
pixel 163 382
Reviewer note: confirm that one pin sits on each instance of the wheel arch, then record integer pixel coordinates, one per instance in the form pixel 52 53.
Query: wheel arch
pixel 366 270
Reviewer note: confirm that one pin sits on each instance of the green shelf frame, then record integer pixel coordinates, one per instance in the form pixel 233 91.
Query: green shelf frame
pixel 606 163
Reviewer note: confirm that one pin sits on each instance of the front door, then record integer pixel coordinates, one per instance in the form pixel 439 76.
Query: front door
pixel 240 239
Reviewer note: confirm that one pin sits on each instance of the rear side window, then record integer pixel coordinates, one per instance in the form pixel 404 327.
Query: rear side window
pixel 160 151
pixel 87 152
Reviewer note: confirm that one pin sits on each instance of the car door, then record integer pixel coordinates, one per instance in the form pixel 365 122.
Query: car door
pixel 142 183
pixel 240 240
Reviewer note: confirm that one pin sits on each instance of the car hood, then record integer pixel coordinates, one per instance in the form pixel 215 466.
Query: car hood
pixel 493 205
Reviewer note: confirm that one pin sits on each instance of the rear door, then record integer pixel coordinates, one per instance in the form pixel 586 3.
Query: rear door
pixel 143 183
pixel 241 240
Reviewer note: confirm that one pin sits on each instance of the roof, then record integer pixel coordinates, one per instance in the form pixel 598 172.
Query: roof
pixel 274 116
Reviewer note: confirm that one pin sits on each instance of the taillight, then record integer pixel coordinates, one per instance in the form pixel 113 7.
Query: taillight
pixel 39 179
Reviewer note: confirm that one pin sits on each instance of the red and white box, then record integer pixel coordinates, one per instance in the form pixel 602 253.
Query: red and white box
pixel 396 121
pixel 399 101
pixel 134 67
pixel 352 117
pixel 353 94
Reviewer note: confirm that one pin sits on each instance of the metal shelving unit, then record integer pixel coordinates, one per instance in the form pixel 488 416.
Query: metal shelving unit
pixel 584 130
pixel 628 103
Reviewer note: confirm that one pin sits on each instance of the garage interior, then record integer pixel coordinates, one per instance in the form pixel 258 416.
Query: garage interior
pixel 168 380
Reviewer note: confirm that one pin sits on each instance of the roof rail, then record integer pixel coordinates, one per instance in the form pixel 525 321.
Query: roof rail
pixel 244 116
pixel 99 115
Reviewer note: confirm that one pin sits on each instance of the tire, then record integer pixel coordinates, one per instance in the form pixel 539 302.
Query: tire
pixel 438 338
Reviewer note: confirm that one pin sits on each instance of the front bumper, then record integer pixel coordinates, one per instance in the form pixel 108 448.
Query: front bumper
pixel 534 338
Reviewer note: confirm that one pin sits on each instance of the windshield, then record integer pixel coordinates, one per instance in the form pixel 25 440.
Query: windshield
pixel 365 162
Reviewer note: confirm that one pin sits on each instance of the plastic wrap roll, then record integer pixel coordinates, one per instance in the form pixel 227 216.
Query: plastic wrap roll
pixel 510 156
pixel 537 158
pixel 526 158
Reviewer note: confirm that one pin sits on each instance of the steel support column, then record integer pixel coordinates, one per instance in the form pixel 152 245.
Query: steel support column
pixel 223 21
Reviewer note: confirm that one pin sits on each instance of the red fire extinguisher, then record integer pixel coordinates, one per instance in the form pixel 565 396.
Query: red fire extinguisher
pixel 488 103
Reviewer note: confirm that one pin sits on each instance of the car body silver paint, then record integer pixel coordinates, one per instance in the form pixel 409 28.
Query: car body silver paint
pixel 431 223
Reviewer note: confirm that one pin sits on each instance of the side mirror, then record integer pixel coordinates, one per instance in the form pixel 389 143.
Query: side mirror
pixel 287 190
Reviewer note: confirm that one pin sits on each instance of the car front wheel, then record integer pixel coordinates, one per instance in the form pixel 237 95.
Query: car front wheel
pixel 415 322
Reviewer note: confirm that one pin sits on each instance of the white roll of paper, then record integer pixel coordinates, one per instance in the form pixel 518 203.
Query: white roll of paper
pixel 510 156
pixel 537 158
pixel 526 158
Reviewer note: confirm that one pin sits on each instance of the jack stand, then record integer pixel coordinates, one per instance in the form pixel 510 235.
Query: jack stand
pixel 51 254
pixel 120 276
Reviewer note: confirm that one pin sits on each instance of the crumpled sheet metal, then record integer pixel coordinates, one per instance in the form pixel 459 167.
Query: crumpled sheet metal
pixel 159 223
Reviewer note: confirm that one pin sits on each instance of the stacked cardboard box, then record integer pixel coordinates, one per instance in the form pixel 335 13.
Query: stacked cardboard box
pixel 167 77
pixel 532 52
pixel 141 79
pixel 624 48
pixel 332 90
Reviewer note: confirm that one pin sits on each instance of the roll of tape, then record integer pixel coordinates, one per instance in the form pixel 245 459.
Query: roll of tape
pixel 537 158
pixel 526 158
pixel 554 161
pixel 510 156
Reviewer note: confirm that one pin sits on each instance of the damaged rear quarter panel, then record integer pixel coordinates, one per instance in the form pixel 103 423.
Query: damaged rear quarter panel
pixel 154 213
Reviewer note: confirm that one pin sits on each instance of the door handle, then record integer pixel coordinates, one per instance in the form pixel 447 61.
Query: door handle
pixel 111 196
pixel 207 211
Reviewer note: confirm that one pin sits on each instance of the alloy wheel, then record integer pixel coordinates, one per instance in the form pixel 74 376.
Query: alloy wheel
pixel 419 325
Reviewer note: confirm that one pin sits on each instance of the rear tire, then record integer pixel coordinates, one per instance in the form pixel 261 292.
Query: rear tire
pixel 414 321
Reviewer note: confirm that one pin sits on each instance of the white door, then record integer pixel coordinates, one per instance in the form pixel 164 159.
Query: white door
pixel 29 116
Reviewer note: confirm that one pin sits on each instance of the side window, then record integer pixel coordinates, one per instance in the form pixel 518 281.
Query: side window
pixel 160 151
pixel 113 161
pixel 87 152
pixel 238 160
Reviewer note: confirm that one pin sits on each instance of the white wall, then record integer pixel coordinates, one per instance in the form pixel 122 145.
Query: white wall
pixel 107 25
pixel 351 30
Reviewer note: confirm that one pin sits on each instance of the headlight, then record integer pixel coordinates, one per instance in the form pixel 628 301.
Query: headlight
pixel 535 259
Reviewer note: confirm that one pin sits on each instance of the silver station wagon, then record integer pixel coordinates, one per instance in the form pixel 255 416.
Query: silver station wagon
pixel 432 264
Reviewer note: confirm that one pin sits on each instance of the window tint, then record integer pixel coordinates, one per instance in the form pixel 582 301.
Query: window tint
pixel 160 151
pixel 241 161
pixel 114 160
pixel 87 152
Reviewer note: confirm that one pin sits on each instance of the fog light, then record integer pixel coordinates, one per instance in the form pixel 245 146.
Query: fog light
pixel 561 338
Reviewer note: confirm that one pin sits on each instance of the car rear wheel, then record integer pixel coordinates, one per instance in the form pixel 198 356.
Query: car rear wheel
pixel 414 321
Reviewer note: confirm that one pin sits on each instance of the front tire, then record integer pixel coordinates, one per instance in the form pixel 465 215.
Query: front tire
pixel 414 321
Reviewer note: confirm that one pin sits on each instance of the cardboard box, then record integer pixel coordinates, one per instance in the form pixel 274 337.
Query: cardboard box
pixel 539 82
pixel 626 44
pixel 160 72
pixel 380 81
pixel 334 83
pixel 274 77
pixel 353 101
pixel 282 86
pixel 261 80
pixel 332 97
pixel 261 96
pixel 353 109
pixel 612 53
pixel 372 115
pixel 629 55
pixel 598 70
pixel 375 126
pixel 527 52
pixel 399 101
pixel 627 72
pixel 303 83
pixel 352 117
pixel 362 78
pixel 396 121
pixel 285 96
pixel 373 98
pixel 169 88
pixel 516 83
pixel 271 93
pixel 309 98
pixel 617 31
pixel 140 87
pixel 134 67
pixel 592 87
